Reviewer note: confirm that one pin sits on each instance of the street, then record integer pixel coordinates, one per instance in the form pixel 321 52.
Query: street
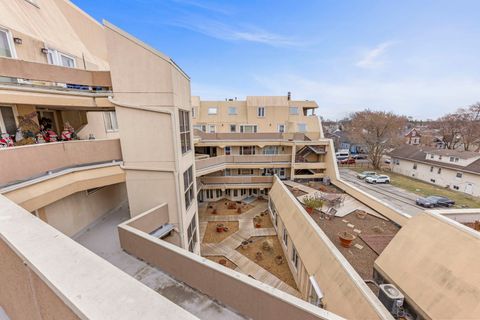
pixel 398 198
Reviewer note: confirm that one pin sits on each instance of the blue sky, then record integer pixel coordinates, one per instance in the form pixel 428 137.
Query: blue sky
pixel 416 57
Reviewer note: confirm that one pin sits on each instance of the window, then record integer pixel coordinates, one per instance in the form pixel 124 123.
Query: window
pixel 302 127
pixel 6 44
pixel 456 159
pixel 261 112
pixel 228 151
pixel 188 186
pixel 200 127
pixel 232 111
pixel 432 156
pixel 194 113
pixel 60 59
pixel 247 150
pixel 246 128
pixel 211 128
pixel 439 170
pixel 293 110
pixel 233 128
pixel 218 193
pixel 270 150
pixel 285 237
pixel 184 119
pixel 294 257
pixel 459 175
pixel 111 124
pixel 7 120
pixel 414 166
pixel 452 159
pixel 192 233
pixel 235 192
pixel 431 169
pixel 281 128
pixel 439 157
pixel 212 110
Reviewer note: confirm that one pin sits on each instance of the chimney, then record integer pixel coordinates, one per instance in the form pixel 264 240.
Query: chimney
pixel 289 95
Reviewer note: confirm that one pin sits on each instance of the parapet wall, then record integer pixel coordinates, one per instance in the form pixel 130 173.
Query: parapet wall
pixel 248 296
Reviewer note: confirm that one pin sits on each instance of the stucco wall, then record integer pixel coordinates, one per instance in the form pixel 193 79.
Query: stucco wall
pixel 73 213
pixel 345 293
pixel 23 294
pixel 435 263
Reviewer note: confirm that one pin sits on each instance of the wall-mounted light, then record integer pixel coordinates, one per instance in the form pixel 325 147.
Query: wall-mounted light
pixel 44 50
pixel 17 40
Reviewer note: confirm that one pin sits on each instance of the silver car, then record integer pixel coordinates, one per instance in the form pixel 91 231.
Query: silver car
pixel 365 174
pixel 378 179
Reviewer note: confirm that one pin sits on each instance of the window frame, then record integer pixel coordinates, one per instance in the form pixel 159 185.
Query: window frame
pixel 188 187
pixel 54 57
pixel 253 126
pixel 295 257
pixel 293 111
pixel 234 126
pixel 11 44
pixel 109 127
pixel 184 130
pixel 232 111
pixel 285 237
pixel 192 233
pixel 261 112
pixel 459 175
pixel 299 126
pixel 211 112
pixel 210 126
pixel 281 125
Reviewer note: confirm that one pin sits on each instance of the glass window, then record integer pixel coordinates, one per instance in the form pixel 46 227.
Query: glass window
pixel 233 128
pixel 185 141
pixel 232 111
pixel 452 159
pixel 228 150
pixel 200 127
pixel 5 44
pixel 245 128
pixel 211 128
pixel 414 166
pixel 247 150
pixel 194 114
pixel 294 257
pixel 192 233
pixel 439 170
pixel 302 127
pixel 188 187
pixel 285 237
pixel 281 128
pixel 212 110
pixel 67 61
pixel 111 124
pixel 7 121
pixel 261 111
pixel 459 174
pixel 293 110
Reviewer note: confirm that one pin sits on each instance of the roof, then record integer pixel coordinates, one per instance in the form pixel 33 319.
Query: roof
pixel 418 154
pixel 250 136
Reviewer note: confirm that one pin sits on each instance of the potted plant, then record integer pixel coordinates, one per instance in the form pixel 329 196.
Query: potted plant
pixel 312 203
pixel 279 259
pixel 346 239
pixel 220 227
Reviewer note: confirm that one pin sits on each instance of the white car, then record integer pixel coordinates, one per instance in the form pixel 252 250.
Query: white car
pixel 378 179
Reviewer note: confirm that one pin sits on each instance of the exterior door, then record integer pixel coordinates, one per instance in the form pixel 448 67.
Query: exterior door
pixel 469 188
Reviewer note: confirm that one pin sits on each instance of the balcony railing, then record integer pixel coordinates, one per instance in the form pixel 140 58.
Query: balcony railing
pixel 236 179
pixel 23 163
pixel 42 75
pixel 241 159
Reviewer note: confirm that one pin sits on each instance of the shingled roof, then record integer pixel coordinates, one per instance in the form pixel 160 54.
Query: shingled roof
pixel 418 154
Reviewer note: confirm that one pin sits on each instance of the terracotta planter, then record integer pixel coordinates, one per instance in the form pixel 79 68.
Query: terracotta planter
pixel 214 211
pixel 223 262
pixel 220 227
pixel 309 210
pixel 346 239
pixel 239 210
pixel 258 225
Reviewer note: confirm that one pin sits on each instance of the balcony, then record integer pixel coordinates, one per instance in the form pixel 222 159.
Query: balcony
pixel 20 164
pixel 205 166
pixel 75 79
pixel 243 181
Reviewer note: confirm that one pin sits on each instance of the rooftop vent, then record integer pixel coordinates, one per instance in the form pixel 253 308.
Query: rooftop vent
pixel 289 95
pixel 391 298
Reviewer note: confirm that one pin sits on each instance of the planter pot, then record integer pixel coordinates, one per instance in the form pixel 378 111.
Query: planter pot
pixel 225 229
pixel 223 262
pixel 220 228
pixel 214 211
pixel 279 260
pixel 361 214
pixel 346 239
pixel 309 210
pixel 258 225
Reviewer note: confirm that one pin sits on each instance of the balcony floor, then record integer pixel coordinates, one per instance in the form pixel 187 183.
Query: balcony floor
pixel 102 239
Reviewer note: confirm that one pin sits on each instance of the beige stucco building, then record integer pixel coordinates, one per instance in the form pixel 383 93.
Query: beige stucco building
pixel 110 228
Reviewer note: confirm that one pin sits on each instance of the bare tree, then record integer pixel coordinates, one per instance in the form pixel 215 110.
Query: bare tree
pixel 377 130
pixel 470 125
pixel 449 128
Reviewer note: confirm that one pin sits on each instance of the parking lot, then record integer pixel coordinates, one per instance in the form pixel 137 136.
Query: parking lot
pixel 398 198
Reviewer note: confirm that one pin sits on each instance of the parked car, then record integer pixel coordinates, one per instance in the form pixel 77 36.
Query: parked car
pixel 365 174
pixel 348 161
pixel 434 201
pixel 360 156
pixel 387 160
pixel 378 179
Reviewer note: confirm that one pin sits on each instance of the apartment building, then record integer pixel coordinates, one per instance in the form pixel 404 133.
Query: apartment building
pixel 453 169
pixel 115 227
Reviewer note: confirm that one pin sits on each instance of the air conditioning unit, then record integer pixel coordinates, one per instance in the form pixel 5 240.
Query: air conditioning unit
pixel 391 298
